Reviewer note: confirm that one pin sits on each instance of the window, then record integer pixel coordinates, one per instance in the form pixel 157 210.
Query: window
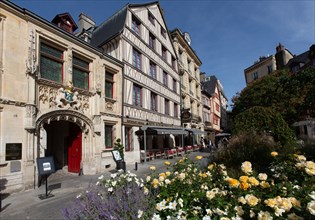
pixel 165 76
pixel 153 70
pixel 151 41
pixel 136 59
pixel 109 84
pixel 180 56
pixel 163 32
pixel 217 107
pixel 173 62
pixel 51 63
pixel 269 68
pixel 175 110
pixel 188 65
pixel 137 96
pixel 174 85
pixel 135 26
pixel 80 73
pixel 153 102
pixel 108 136
pixel 255 75
pixel 151 18
pixel 164 53
pixel 128 139
pixel 167 106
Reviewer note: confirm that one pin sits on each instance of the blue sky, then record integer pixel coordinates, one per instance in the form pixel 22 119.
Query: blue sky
pixel 227 35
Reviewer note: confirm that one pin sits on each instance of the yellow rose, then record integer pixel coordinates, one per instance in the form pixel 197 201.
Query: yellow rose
pixel 274 154
pixel 167 163
pixel 262 176
pixel 163 175
pixel 264 184
pixel 244 179
pixel 253 181
pixel 295 202
pixel 251 200
pixel 198 157
pixel 211 166
pixel 168 173
pixel 244 185
pixel 310 168
pixel 233 182
pixel 152 168
pixel 270 202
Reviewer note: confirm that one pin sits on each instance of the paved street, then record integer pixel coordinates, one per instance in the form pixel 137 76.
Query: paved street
pixel 28 205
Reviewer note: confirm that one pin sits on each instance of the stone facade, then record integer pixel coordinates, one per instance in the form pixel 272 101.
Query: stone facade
pixel 52 84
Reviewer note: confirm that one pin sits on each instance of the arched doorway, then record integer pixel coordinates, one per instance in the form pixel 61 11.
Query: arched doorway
pixel 64 143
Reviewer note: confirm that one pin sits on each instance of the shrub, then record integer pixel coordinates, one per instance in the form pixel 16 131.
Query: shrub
pixel 250 146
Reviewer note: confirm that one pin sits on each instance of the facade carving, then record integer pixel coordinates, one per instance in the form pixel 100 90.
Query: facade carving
pixel 31 65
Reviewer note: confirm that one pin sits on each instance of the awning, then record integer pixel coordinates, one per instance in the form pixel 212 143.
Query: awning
pixel 196 131
pixel 222 135
pixel 160 130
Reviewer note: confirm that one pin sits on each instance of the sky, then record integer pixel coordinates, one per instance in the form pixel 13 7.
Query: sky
pixel 227 35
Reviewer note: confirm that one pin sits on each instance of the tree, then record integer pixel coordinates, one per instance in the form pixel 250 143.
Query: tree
pixel 263 120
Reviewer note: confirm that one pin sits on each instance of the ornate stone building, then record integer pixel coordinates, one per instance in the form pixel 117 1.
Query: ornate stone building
pixel 138 36
pixel 59 97
pixel 189 69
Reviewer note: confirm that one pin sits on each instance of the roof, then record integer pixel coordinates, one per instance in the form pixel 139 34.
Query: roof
pixel 113 26
pixel 302 58
pixel 210 85
pixel 109 28
pixel 68 16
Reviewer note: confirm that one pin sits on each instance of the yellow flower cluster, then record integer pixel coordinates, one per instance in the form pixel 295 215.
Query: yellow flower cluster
pixel 274 153
pixel 281 205
pixel 308 166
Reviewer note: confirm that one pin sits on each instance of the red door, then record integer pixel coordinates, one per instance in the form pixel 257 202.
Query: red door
pixel 74 148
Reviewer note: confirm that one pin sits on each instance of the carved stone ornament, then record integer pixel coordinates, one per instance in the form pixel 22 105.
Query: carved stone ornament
pixel 31 66
pixel 67 98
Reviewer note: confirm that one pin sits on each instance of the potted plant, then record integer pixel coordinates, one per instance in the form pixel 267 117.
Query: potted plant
pixel 121 164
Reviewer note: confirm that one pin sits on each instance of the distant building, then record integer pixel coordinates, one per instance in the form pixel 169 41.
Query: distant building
pixel 302 61
pixel 213 90
pixel 267 64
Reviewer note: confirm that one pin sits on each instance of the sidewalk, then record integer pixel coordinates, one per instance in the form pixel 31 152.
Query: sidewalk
pixel 28 205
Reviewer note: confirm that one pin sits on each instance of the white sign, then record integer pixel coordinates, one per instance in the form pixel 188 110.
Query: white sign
pixel 46 166
pixel 117 155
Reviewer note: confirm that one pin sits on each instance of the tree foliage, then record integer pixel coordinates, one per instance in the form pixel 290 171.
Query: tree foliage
pixel 263 120
pixel 290 94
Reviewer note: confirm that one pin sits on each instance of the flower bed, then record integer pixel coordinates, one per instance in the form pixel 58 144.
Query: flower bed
pixel 187 191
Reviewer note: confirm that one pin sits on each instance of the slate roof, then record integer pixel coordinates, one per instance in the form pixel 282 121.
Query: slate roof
pixel 302 58
pixel 209 85
pixel 113 26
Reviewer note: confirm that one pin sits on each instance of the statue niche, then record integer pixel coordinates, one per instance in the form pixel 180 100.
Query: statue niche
pixel 67 98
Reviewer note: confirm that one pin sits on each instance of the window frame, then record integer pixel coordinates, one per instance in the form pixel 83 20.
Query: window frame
pixel 152 67
pixel 81 69
pixel 176 110
pixel 166 106
pixel 154 102
pixel 111 136
pixel 136 91
pixel 164 52
pixel 151 18
pixel 165 79
pixel 111 82
pixel 152 41
pixel 174 85
pixel 163 32
pixel 136 59
pixel 50 57
pixel 136 25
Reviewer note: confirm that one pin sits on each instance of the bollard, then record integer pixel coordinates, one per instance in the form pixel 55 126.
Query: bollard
pixel 136 166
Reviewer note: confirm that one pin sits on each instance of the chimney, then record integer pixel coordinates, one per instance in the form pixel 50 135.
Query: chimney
pixel 85 22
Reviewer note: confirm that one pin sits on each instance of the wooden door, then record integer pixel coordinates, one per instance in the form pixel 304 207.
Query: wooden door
pixel 74 148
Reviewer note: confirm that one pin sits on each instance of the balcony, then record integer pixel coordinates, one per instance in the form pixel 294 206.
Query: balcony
pixel 208 124
pixel 195 118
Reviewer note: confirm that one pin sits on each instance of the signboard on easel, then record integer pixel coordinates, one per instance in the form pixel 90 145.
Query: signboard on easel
pixel 45 167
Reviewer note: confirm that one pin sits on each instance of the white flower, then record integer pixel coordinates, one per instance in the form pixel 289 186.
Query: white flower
pixel 110 189
pixel 97 183
pixel 311 207
pixel 262 176
pixel 114 183
pixel 252 214
pixel 156 217
pixel 264 215
pixel 101 177
pixel 247 167
pixel 172 205
pixel 312 195
pixel 206 217
pixel 78 196
pixel 278 211
pixel 140 212
pixel 209 212
pixel 113 175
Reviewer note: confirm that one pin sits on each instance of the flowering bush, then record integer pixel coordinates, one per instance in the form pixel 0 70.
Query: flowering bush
pixel 123 196
pixel 189 191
